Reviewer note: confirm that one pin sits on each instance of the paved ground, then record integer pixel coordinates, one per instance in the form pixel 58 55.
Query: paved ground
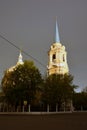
pixel 67 121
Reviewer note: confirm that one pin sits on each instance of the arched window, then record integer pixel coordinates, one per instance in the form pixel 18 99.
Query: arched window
pixel 54 56
pixel 63 57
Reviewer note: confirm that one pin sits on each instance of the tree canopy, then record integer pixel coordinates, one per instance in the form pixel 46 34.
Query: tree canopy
pixel 21 83
pixel 58 89
pixel 25 83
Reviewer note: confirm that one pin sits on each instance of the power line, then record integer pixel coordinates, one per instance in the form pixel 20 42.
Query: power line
pixel 22 50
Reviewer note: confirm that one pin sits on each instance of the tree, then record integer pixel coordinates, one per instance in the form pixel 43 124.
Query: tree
pixel 22 83
pixel 58 89
pixel 80 100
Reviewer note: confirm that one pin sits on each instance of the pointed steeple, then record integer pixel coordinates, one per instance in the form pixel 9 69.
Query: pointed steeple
pixel 57 38
pixel 20 61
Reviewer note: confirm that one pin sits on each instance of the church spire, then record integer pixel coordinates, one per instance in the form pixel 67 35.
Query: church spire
pixel 20 60
pixel 57 38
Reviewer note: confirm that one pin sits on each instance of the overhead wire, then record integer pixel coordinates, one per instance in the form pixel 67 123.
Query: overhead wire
pixel 11 43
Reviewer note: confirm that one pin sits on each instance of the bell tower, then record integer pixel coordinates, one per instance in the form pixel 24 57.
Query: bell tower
pixel 57 57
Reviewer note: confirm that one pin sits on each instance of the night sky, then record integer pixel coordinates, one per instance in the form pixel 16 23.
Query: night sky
pixel 30 25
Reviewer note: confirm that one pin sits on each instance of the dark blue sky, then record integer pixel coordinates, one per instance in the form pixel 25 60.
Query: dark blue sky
pixel 30 24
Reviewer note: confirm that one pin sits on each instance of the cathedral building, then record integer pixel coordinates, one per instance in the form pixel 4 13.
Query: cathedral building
pixel 57 57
